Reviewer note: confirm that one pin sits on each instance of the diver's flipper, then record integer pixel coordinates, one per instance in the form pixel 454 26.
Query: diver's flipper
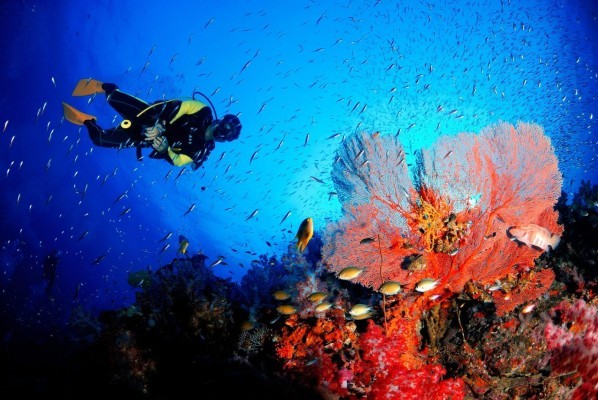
pixel 75 116
pixel 86 87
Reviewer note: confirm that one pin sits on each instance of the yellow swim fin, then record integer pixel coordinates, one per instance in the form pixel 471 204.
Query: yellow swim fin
pixel 75 116
pixel 86 87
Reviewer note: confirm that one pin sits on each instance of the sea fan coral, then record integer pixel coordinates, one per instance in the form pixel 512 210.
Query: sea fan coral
pixel 467 191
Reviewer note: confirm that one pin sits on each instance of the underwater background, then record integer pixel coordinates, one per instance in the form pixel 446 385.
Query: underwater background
pixel 304 77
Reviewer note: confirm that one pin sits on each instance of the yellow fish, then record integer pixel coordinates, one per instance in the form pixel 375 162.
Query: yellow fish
pixel 183 244
pixel 323 306
pixel 280 295
pixel 286 309
pixel 390 288
pixel 247 326
pixel 363 316
pixel 316 297
pixel 359 310
pixel 349 273
pixel 304 234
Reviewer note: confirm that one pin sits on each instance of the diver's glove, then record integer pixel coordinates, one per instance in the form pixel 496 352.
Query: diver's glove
pixel 160 144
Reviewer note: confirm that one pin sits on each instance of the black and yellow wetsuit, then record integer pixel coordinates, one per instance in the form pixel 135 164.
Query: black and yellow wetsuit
pixel 185 123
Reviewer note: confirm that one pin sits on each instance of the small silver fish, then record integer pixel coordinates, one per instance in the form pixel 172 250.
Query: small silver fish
pixel 285 217
pixel 253 214
pixel 218 261
pixel 191 208
pixel 165 238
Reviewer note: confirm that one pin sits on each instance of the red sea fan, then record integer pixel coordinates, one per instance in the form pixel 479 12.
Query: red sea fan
pixel 467 191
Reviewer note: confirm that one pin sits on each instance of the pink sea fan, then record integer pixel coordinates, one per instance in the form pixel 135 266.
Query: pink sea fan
pixel 481 184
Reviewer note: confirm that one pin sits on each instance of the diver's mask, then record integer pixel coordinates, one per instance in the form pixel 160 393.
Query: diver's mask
pixel 226 129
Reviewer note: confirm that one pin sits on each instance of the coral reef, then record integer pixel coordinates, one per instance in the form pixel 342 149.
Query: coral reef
pixel 523 326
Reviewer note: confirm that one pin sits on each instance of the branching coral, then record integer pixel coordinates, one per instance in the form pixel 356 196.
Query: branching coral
pixel 434 219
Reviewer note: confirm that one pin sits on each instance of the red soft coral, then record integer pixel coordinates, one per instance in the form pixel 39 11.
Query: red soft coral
pixel 385 376
pixel 573 341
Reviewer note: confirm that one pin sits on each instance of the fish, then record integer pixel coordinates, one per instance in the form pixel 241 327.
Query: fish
pixel 535 236
pixel 220 260
pixel 359 310
pixel 285 217
pixel 125 211
pixel 191 208
pixel 280 295
pixel 417 263
pixel 426 284
pixel 247 64
pixel 312 361
pixel 317 297
pixel 349 273
pixel 165 247
pixel 286 309
pixel 98 259
pixel 247 325
pixel 317 179
pixel 183 244
pixel 390 288
pixel 182 171
pixel 528 309
pixel 83 235
pixel 253 214
pixel 304 233
pixel 366 240
pixel 323 306
pixel 208 23
pixel 363 316
pixel 168 235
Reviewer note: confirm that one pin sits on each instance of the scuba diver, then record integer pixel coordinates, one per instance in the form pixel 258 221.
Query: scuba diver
pixel 49 270
pixel 180 131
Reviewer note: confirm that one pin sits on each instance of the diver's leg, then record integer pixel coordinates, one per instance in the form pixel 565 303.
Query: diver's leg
pixel 126 105
pixel 112 138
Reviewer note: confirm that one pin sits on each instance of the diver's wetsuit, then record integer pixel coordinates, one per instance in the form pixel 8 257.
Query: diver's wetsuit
pixel 185 122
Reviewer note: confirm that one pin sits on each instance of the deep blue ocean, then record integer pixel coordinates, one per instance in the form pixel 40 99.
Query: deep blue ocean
pixel 300 75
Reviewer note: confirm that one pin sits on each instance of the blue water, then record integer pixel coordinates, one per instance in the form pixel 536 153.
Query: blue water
pixel 299 75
